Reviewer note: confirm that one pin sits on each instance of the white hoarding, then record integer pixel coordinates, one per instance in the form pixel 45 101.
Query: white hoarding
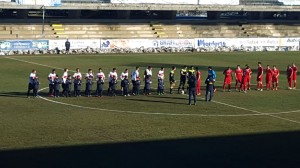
pixel 157 1
pixel 290 42
pixel 174 43
pixel 228 42
pixel 5 0
pixel 40 2
pixel 124 43
pixel 75 44
pixel 290 2
pixel 219 2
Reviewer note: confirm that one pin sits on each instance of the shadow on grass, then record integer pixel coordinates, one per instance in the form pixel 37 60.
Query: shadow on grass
pixel 158 101
pixel 202 68
pixel 257 150
pixel 13 94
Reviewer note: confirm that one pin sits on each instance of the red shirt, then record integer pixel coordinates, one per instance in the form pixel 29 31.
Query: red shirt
pixel 269 72
pixel 289 72
pixel 227 73
pixel 295 69
pixel 260 71
pixel 239 73
pixel 275 73
pixel 247 72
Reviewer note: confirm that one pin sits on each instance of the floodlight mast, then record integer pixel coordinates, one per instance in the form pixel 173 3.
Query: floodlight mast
pixel 43 28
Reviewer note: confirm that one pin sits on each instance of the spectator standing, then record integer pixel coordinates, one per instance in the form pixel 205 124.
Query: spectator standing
pixel 67 45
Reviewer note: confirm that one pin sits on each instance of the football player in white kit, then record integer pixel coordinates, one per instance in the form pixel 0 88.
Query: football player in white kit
pixel 64 79
pixel 77 74
pixel 32 76
pixel 51 78
pixel 100 81
pixel 89 82
pixel 77 77
pixel 112 76
pixel 148 75
pixel 122 77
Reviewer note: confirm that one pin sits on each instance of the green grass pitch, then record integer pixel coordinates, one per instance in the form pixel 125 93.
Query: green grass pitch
pixel 235 130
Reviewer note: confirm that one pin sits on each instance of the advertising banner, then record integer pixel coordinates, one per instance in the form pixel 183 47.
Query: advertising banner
pixel 174 43
pixel 290 42
pixel 24 45
pixel 156 1
pixel 219 2
pixel 229 42
pixel 40 2
pixel 75 44
pixel 124 43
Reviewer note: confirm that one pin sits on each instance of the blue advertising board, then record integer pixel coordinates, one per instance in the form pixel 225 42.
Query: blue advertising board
pixel 24 45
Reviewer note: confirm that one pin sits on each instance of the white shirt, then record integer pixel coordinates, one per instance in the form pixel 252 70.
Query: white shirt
pixel 148 72
pixel 64 77
pixel 161 74
pixel 112 75
pixel 77 74
pixel 135 75
pixel 51 77
pixel 31 77
pixel 88 75
pixel 100 75
pixel 123 75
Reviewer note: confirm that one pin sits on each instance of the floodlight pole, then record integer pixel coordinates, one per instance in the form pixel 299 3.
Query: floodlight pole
pixel 43 28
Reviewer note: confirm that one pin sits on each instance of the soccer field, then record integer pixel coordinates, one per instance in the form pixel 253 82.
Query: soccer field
pixel 236 129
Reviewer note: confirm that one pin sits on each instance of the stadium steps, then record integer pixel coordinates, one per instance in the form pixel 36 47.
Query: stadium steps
pixel 58 29
pixel 158 29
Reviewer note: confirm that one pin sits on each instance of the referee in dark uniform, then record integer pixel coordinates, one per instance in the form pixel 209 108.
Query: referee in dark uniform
pixel 192 87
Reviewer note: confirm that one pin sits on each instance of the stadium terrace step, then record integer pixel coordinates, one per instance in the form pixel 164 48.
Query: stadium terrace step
pixel 30 31
pixel 2 32
pixel 56 25
pixel 58 29
pixel 8 36
pixel 160 33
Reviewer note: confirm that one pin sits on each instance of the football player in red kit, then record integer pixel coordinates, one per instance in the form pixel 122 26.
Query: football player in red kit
pixel 250 75
pixel 289 74
pixel 275 77
pixel 227 79
pixel 238 76
pixel 269 75
pixel 295 70
pixel 246 79
pixel 259 79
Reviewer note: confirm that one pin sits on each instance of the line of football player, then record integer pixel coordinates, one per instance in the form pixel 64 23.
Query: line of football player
pixel 242 78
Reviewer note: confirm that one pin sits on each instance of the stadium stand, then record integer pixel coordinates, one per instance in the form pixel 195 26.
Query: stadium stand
pixel 144 30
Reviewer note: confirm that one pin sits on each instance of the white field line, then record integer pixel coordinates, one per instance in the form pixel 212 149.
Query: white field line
pixel 34 63
pixel 146 113
pixel 174 114
pixel 254 111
